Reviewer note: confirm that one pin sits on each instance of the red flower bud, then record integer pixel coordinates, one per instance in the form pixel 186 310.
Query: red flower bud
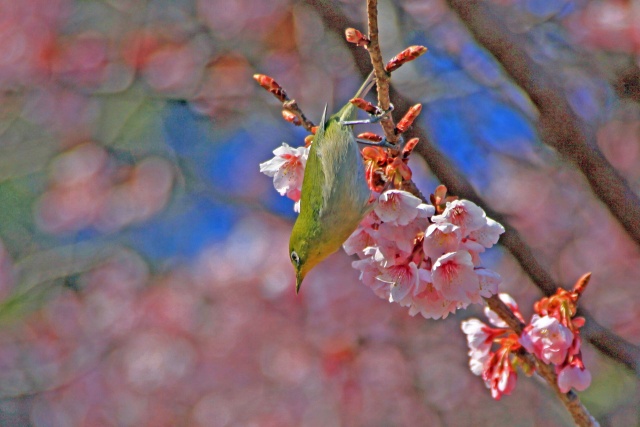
pixel 405 123
pixel 271 85
pixel 366 106
pixel 370 136
pixel 409 54
pixel 356 37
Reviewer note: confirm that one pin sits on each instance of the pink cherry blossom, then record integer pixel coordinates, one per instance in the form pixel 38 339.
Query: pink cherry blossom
pixel 402 236
pixel 478 334
pixel 454 277
pixel 485 237
pixel 441 239
pixel 287 169
pixel 463 213
pixel 547 338
pixel 358 241
pixel 397 207
pixel 428 301
pixel 574 376
pixel 369 272
pixel 403 280
pixel 488 282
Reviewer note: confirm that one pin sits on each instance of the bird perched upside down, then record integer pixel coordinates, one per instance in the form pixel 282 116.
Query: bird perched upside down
pixel 335 195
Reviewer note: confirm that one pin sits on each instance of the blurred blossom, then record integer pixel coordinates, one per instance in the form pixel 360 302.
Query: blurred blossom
pixel 170 63
pixel 153 360
pixel 619 140
pixel 81 59
pixel 67 114
pixel 84 192
pixel 229 19
pixel 80 180
pixel 224 90
pixel 611 25
pixel 25 48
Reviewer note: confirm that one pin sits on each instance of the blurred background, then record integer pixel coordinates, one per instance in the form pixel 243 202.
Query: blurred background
pixel 144 274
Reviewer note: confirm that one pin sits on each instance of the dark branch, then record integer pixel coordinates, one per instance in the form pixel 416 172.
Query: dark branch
pixel 558 126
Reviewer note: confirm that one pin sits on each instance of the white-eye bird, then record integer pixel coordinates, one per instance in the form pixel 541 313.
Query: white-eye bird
pixel 335 194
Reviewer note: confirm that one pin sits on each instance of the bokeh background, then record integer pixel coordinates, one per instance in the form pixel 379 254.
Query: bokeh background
pixel 144 274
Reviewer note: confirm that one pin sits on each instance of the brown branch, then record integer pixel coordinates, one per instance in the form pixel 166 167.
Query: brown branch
pixel 603 339
pixel 558 126
pixel 570 400
pixel 382 77
pixel 627 83
pixel 291 111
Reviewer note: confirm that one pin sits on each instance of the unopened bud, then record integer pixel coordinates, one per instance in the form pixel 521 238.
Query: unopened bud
pixel 271 85
pixel 308 140
pixel 291 117
pixel 370 136
pixel 405 123
pixel 356 37
pixel 409 54
pixel 409 146
pixel 366 106
pixel 582 283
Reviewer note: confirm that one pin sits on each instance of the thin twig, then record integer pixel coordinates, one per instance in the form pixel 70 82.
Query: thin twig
pixel 382 77
pixel 293 107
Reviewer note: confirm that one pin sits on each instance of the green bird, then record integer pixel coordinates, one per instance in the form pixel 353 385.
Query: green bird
pixel 335 194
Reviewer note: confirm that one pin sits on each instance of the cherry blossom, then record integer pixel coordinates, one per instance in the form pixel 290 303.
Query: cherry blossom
pixel 455 278
pixel 463 213
pixel 479 340
pixel 397 207
pixel 287 170
pixel 440 239
pixel 428 301
pixel 484 238
pixel 547 338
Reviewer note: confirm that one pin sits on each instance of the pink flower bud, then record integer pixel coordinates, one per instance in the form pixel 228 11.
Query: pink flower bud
pixel 573 376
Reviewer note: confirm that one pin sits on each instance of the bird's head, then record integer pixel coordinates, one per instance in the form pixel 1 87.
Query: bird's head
pixel 304 253
pixel 300 259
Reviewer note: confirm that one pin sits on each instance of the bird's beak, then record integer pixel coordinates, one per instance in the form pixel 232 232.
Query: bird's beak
pixel 299 279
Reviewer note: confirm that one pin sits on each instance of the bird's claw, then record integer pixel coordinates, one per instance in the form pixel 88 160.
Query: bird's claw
pixel 372 118
pixel 382 144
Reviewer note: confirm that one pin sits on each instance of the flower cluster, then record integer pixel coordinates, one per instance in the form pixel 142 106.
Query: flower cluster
pixel 552 336
pixel 421 256
pixel 429 263
pixel 495 367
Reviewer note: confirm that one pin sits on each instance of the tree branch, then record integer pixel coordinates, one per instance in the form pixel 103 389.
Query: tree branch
pixel 558 126
pixel 382 77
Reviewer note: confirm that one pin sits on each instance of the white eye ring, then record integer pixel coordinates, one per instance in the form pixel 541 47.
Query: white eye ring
pixel 295 258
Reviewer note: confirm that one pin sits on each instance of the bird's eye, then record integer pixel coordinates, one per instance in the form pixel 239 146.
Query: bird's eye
pixel 295 258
